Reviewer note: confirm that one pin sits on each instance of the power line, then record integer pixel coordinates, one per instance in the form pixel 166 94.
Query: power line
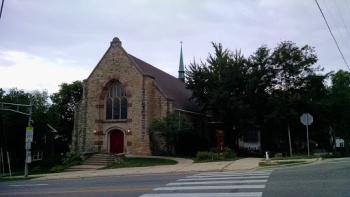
pixel 332 34
pixel 335 24
pixel 2 5
pixel 341 16
pixel 347 6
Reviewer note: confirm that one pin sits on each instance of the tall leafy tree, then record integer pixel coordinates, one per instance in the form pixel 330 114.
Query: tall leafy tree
pixel 219 87
pixel 173 129
pixel 294 68
pixel 63 108
pixel 340 92
pixel 13 126
pixel 268 89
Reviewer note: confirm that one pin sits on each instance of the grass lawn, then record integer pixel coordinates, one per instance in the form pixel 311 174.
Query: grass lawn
pixel 295 157
pixel 141 162
pixel 195 160
pixel 279 163
pixel 5 179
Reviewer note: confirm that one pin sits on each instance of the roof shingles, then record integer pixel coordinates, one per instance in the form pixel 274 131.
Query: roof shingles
pixel 172 87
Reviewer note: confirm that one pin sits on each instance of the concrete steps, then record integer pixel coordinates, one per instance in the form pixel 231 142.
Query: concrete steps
pixel 94 162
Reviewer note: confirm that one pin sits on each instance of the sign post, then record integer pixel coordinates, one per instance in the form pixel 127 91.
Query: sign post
pixel 28 141
pixel 29 130
pixel 307 119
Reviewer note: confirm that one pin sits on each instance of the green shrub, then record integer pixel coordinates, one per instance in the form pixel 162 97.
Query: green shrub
pixel 215 154
pixel 228 153
pixel 57 168
pixel 71 159
pixel 50 162
pixel 204 155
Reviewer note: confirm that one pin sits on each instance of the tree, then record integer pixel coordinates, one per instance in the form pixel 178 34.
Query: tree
pixel 13 126
pixel 270 89
pixel 340 94
pixel 63 108
pixel 219 88
pixel 172 128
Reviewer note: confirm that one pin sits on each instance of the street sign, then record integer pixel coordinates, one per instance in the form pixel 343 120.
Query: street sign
pixel 306 119
pixel 29 159
pixel 28 156
pixel 29 134
pixel 28 145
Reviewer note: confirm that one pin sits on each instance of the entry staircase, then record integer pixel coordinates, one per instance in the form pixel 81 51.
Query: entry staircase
pixel 94 162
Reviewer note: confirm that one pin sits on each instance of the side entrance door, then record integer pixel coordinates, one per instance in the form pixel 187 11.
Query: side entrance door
pixel 116 143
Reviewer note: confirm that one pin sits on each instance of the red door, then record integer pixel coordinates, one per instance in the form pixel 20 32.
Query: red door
pixel 116 142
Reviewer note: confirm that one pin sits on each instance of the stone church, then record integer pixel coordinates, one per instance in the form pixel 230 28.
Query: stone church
pixel 121 97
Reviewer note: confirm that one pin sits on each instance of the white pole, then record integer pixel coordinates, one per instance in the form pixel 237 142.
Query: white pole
pixel 2 162
pixel 27 150
pixel 9 163
pixel 308 144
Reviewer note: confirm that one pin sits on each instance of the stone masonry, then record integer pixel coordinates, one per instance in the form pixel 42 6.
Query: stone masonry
pixel 145 103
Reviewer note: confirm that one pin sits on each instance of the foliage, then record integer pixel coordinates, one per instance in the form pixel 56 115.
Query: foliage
pixel 268 90
pixel 13 125
pixel 141 162
pixel 58 168
pixel 50 162
pixel 215 155
pixel 340 99
pixel 63 108
pixel 280 163
pixel 8 179
pixel 71 159
pixel 173 128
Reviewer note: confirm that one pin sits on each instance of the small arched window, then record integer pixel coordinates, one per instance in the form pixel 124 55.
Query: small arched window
pixel 116 103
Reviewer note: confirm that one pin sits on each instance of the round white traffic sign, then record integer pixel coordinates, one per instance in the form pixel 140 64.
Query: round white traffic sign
pixel 306 119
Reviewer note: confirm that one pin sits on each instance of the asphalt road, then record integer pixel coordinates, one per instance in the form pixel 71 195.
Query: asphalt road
pixel 328 178
pixel 128 186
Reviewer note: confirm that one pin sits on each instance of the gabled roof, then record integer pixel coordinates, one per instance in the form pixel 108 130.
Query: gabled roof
pixel 172 87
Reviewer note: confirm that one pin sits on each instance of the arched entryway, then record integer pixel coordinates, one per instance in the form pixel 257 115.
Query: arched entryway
pixel 116 141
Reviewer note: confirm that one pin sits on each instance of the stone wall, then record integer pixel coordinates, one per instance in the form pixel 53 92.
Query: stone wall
pixel 145 103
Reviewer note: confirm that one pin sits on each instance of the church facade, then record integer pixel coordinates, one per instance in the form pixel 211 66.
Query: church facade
pixel 121 97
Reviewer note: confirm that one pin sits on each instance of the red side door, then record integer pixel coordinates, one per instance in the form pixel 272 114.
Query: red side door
pixel 116 142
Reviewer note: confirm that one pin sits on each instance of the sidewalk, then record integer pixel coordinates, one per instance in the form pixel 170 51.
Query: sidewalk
pixel 183 165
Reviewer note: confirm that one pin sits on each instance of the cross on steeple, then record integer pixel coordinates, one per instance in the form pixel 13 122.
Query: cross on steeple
pixel 181 66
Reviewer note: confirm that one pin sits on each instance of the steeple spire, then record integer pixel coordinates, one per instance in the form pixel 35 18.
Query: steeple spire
pixel 181 67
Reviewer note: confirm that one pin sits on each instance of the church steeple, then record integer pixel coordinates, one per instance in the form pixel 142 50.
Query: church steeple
pixel 181 67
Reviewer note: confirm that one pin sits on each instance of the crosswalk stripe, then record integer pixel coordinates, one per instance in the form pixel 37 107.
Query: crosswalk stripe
pixel 209 187
pixel 233 173
pixel 224 178
pixel 217 182
pixel 238 194
pixel 243 173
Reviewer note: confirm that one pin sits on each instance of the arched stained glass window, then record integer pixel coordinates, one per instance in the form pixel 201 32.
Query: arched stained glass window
pixel 116 103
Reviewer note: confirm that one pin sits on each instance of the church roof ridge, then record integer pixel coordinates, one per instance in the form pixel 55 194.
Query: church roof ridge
pixel 171 86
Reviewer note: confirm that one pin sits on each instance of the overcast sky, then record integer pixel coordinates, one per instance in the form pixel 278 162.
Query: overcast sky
pixel 44 43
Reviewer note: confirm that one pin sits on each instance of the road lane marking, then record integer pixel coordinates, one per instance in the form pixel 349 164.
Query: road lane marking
pixel 223 178
pixel 79 191
pixel 227 174
pixel 217 182
pixel 238 194
pixel 209 187
pixel 28 185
